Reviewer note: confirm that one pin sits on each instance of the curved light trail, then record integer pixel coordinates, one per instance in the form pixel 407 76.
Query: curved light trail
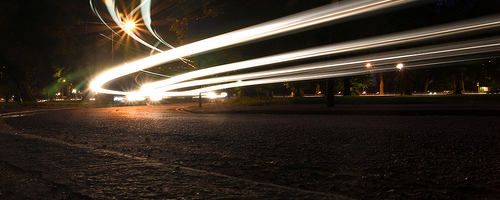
pixel 352 66
pixel 346 67
pixel 424 34
pixel 283 25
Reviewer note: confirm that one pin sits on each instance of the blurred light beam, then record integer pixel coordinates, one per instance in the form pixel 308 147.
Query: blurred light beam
pixel 409 36
pixel 283 25
pixel 386 61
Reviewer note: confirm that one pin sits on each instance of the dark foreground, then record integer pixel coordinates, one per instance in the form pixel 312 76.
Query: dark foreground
pixel 159 152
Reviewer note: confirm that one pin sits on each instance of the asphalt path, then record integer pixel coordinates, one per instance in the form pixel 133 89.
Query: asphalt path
pixel 166 152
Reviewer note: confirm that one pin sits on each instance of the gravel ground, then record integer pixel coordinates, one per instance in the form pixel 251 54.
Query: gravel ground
pixel 20 184
pixel 363 157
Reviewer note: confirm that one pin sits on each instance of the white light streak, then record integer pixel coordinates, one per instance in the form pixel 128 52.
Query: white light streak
pixel 385 62
pixel 393 39
pixel 146 17
pixel 346 67
pixel 280 26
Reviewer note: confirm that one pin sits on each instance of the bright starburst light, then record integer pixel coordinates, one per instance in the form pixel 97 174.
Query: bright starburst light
pixel 130 25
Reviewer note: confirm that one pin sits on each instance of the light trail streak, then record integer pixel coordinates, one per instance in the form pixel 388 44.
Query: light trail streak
pixel 346 67
pixel 338 72
pixel 94 9
pixel 156 74
pixel 146 17
pixel 424 34
pixel 283 25
pixel 329 69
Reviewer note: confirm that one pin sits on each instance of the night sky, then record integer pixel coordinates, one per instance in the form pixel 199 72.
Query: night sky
pixel 43 42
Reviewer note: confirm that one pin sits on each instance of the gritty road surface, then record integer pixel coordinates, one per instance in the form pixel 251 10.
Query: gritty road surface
pixel 161 152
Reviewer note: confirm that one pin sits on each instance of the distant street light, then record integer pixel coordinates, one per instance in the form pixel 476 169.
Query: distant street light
pixel 401 77
pixel 400 66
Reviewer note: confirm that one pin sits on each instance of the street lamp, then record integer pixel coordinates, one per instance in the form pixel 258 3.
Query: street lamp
pixel 64 88
pixel 400 66
pixel 401 77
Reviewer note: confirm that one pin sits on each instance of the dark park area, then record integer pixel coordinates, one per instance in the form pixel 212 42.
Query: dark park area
pixel 261 99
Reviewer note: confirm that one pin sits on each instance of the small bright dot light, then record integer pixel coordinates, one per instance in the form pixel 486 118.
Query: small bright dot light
pixel 211 95
pixel 223 94
pixel 400 66
pixel 156 97
pixel 368 65
pixel 118 98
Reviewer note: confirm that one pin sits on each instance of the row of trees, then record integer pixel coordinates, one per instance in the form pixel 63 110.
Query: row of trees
pixel 452 79
pixel 42 47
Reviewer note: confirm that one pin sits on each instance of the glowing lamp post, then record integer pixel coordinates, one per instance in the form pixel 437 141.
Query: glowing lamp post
pixel 400 68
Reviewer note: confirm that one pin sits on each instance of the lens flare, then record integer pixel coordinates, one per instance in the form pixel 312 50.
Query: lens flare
pixel 130 25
